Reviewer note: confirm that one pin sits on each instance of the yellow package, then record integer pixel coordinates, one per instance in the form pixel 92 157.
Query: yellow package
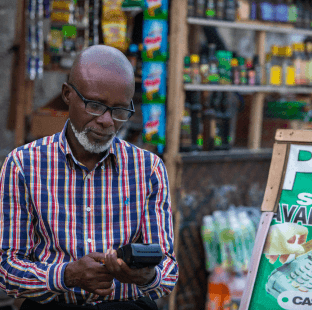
pixel 115 34
pixel 111 8
pixel 62 5
pixel 62 17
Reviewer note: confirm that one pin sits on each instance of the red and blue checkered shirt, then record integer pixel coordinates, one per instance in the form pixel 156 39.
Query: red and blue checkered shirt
pixel 54 211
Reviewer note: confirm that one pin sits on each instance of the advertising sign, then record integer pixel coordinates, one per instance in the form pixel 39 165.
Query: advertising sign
pixel 280 273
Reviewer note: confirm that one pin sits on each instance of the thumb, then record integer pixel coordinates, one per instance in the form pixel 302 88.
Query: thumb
pixel 98 257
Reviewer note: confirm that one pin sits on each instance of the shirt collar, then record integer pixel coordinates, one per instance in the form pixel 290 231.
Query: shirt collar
pixel 70 158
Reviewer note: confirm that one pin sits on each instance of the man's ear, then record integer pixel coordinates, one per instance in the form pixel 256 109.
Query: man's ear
pixel 65 93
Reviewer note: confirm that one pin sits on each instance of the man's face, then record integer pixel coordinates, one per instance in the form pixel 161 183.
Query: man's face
pixel 95 133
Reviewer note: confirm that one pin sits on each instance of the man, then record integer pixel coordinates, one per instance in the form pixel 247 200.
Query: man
pixel 69 201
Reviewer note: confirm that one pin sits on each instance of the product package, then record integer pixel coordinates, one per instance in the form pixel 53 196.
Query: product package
pixel 156 9
pixel 154 123
pixel 133 4
pixel 154 82
pixel 155 39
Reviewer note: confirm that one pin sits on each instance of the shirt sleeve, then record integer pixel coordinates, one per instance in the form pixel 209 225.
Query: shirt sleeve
pixel 20 276
pixel 157 228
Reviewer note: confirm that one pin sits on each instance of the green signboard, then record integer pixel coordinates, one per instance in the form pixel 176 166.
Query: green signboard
pixel 280 274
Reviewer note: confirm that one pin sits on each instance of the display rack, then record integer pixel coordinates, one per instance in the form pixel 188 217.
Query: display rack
pixel 180 28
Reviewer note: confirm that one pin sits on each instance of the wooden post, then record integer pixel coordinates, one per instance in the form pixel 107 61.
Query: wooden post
pixel 256 117
pixel 16 119
pixel 175 106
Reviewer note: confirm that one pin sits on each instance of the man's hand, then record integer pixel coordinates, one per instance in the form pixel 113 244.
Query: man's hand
pixel 123 273
pixel 89 274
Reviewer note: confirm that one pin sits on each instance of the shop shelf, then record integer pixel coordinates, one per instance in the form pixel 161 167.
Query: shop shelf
pixel 248 88
pixel 250 25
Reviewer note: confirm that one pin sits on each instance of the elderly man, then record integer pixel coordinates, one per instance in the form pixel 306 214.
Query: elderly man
pixel 69 201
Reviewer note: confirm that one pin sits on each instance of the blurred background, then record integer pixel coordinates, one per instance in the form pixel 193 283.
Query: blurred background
pixel 214 81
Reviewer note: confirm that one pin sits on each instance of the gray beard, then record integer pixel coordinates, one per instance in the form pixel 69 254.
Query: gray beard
pixel 87 145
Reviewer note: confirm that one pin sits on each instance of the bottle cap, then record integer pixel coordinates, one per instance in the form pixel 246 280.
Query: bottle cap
pixel 234 62
pixel 194 58
pixel 288 51
pixel 249 63
pixel 241 61
pixel 187 60
pixel 275 50
pixel 133 48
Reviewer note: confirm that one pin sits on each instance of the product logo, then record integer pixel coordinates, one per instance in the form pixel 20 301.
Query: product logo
pixel 152 81
pixel 291 300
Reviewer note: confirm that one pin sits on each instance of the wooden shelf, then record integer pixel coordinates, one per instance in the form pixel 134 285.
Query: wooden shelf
pixel 250 25
pixel 248 89
pixel 226 155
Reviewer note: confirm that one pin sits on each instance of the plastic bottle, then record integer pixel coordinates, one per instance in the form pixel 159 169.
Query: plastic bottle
pixel 276 68
pixel 292 11
pixel 200 8
pixel 204 69
pixel 210 9
pixel 289 71
pixel 185 136
pixel 218 291
pixel 191 8
pixel 306 15
pixel 309 64
pixel 196 125
pixel 214 76
pixel 258 70
pixel 235 72
pixel 281 11
pixel 187 78
pixel 254 9
pixel 266 11
pixel 268 58
pixel 243 72
pixel 304 63
pixel 220 6
pixel 297 63
pixel 195 75
pixel 209 124
pixel 230 10
pixel 251 74
pixel 300 12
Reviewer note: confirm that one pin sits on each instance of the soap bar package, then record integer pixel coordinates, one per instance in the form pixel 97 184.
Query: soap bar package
pixel 155 39
pixel 154 82
pixel 154 123
pixel 156 9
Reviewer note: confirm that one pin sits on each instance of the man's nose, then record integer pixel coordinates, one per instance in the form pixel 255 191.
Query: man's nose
pixel 106 119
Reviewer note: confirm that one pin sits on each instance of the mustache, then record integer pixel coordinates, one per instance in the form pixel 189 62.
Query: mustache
pixel 101 132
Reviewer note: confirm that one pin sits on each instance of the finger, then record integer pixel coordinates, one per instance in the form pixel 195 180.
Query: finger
pixel 103 292
pixel 98 257
pixel 283 258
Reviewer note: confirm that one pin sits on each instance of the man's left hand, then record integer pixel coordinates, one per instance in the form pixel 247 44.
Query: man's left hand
pixel 124 274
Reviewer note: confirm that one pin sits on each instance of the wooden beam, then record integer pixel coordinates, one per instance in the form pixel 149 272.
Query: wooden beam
pixel 255 125
pixel 275 179
pixel 176 97
pixel 175 106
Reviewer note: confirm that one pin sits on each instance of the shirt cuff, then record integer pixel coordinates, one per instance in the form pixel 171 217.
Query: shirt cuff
pixel 55 278
pixel 154 284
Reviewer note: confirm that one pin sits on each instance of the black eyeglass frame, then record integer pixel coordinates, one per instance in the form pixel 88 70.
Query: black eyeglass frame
pixel 86 101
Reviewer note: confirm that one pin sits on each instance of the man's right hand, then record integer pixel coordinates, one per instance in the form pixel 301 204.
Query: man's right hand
pixel 89 274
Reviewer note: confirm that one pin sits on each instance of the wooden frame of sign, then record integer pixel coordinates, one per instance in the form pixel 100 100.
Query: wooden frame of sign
pixel 279 163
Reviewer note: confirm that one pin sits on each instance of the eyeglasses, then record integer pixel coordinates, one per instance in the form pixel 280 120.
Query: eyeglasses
pixel 97 108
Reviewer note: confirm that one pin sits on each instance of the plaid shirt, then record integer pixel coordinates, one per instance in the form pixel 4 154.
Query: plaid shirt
pixel 54 211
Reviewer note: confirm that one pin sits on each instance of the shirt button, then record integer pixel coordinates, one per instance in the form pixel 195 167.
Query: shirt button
pixel 89 240
pixel 88 209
